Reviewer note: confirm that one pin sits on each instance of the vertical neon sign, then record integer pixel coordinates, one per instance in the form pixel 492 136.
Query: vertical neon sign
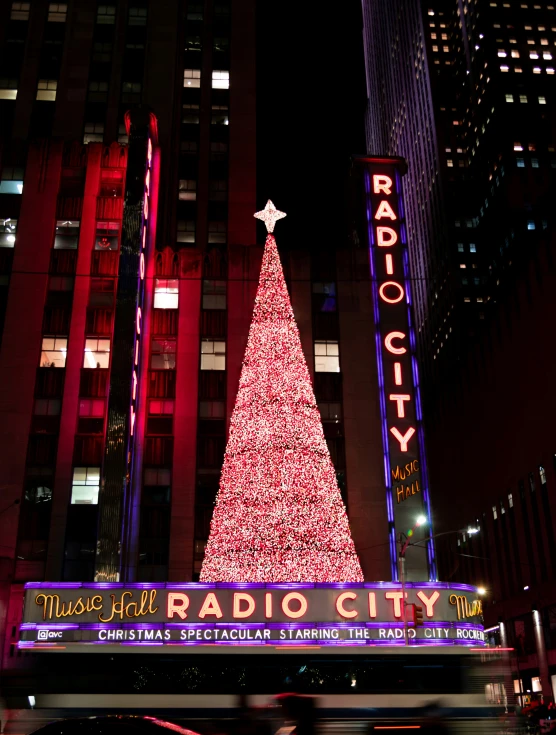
pixel 400 401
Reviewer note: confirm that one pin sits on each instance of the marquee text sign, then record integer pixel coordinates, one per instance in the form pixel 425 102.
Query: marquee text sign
pixel 402 430
pixel 69 614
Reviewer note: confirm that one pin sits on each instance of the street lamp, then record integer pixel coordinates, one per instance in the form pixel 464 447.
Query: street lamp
pixel 420 521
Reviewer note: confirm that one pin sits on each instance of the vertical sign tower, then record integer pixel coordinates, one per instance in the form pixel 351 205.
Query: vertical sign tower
pixel 400 400
pixel 117 484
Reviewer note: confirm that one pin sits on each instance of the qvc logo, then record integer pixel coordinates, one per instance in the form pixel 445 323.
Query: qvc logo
pixel 44 635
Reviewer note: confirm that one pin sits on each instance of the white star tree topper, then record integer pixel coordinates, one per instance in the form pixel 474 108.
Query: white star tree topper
pixel 270 215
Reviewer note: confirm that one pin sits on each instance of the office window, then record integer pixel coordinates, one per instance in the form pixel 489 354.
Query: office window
pixel 8 89
pixel 67 235
pixel 131 92
pixel 107 236
pixel 190 114
pixel 502 54
pixel 186 231
pixel 504 68
pixel 218 190
pixel 106 14
pixel 542 475
pixel 509 98
pixel 324 296
pixel 46 90
pixel 515 54
pixel 460 247
pixel 520 162
pixel 94 132
pixel 217 232
pixel 57 12
pixel 123 137
pixel 547 55
pixel 220 79
pixel 494 512
pixel 536 70
pixel 327 356
pixel 54 351
pixel 214 294
pixel 450 163
pixel 8 230
pixel 530 224
pixel 187 191
pixel 220 115
pixel 550 71
pixel 535 162
pixel 523 98
pixel 510 500
pixel 472 247
pixel 166 293
pixel 85 485
pixel 102 52
pixel 12 180
pixel 137 17
pixel 218 151
pixel 462 265
pixel 189 147
pixel 97 353
pixel 48 407
pixel 98 91
pixel 542 100
pixel 191 78
pixel 213 355
pixel 91 408
pixel 161 408
pixel 211 409
pixel 163 354
pixel 20 11
pixel 518 70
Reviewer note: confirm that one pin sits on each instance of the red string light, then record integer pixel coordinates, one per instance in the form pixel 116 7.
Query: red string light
pixel 279 515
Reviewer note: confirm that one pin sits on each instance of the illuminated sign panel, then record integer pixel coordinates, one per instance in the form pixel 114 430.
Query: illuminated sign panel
pixel 402 430
pixel 70 615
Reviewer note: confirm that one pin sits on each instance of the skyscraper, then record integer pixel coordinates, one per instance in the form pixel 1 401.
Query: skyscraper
pixel 466 91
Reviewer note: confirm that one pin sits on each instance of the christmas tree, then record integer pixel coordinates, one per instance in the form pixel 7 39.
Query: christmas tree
pixel 279 515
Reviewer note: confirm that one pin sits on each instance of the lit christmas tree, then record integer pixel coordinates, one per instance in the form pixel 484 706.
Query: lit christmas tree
pixel 279 515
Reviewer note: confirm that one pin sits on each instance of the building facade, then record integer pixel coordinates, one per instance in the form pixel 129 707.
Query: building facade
pixel 466 91
pixel 130 260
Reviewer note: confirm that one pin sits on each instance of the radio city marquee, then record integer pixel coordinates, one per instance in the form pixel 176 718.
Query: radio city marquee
pixel 70 615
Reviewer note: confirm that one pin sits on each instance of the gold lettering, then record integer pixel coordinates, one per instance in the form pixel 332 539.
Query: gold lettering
pixel 131 609
pixel 466 609
pixel 399 492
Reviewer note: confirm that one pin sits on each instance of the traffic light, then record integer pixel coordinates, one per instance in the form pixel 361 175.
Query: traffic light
pixel 417 615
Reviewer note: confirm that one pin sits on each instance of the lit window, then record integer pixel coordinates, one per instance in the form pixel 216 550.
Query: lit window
pixel 106 14
pixel 20 11
pixel 449 163
pixel 523 98
pixel 494 512
pixel 433 36
pixel 54 352
pixel 467 300
pixel 97 353
pixel 186 231
pixel 504 68
pixel 8 230
pixel 531 42
pixel 166 293
pixel 542 100
pixel 542 474
pixel 533 55
pixel 515 54
pixel 444 36
pixel 107 236
pixel 530 224
pixel 518 147
pixel 163 354
pixel 544 42
pixel 85 486
pixel 472 248
pixel 550 71
pixel 66 236
pixel 462 265
pixel 535 162
pixel 211 409
pixel 518 70
pixel 94 133
pixel 137 17
pixel 502 54
pixel 91 408
pixel 510 501
pixel 445 49
pixel 536 70
pixel 220 79
pixel 8 89
pixel 460 247
pixel 547 55
pixel 435 48
pixel 324 296
pixel 509 98
pixel 191 77
pixel 161 408
pixel 217 232
pixel 513 40
pixel 213 355
pixel 57 12
pixel 46 90
pixel 220 115
pixel 327 356
pixel 47 407
pixel 479 299
pixel 187 190
pixel 214 294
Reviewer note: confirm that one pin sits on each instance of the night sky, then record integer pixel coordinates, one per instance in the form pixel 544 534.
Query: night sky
pixel 310 115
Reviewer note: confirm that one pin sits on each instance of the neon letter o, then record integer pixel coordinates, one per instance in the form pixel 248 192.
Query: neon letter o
pixel 286 605
pixel 401 292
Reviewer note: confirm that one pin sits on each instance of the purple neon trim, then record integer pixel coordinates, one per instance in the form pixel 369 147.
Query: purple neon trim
pixel 382 396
